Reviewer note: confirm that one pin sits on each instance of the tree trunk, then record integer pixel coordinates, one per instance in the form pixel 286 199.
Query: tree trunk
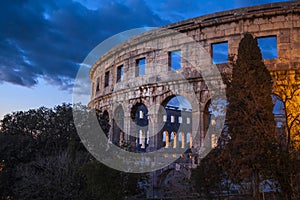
pixel 255 185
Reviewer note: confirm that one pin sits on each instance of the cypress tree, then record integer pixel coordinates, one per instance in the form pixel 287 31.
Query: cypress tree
pixel 250 120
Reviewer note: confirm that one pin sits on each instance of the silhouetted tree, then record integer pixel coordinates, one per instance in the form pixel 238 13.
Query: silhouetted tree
pixel 251 152
pixel 106 183
pixel 42 157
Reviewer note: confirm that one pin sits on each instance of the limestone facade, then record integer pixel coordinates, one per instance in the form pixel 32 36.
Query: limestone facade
pixel 159 83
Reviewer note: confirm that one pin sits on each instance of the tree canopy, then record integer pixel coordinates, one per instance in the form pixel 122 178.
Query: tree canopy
pixel 42 157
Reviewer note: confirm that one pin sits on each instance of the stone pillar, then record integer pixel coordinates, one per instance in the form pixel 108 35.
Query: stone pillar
pixel 152 131
pixel 129 140
pixel 154 126
pixel 201 128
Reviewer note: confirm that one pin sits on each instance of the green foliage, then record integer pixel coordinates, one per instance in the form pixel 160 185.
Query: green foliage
pixel 42 157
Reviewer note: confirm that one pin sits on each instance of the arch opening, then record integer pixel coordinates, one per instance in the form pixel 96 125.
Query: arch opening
pixel 139 126
pixel 176 116
pixel 278 111
pixel 208 118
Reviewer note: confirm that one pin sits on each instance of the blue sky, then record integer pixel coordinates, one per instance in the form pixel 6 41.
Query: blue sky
pixel 42 43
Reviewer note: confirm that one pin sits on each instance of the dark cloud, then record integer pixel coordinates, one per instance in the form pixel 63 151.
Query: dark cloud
pixel 49 39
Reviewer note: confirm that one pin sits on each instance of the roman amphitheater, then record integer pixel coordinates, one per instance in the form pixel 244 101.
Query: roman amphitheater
pixel 134 84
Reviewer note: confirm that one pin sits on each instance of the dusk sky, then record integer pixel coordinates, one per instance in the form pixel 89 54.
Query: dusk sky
pixel 42 43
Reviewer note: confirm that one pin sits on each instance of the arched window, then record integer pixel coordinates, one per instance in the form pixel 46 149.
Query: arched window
pixel 166 139
pixel 182 139
pixel 189 139
pixel 142 139
pixel 278 110
pixel 174 139
pixel 214 140
pixel 139 125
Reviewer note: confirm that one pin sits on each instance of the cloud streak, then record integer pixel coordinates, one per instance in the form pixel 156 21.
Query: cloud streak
pixel 49 39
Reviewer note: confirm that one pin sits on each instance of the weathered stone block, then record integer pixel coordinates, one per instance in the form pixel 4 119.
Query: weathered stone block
pixel 253 28
pixel 284 39
pixel 279 18
pixel 230 31
pixel 265 27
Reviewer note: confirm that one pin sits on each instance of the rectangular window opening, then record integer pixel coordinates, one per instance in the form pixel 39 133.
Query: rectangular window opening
pixel 106 81
pixel 219 52
pixel 141 66
pixel 188 120
pixel 268 47
pixel 180 120
pixel 172 119
pixel 141 114
pixel 164 118
pixel 120 73
pixel 98 84
pixel 175 60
